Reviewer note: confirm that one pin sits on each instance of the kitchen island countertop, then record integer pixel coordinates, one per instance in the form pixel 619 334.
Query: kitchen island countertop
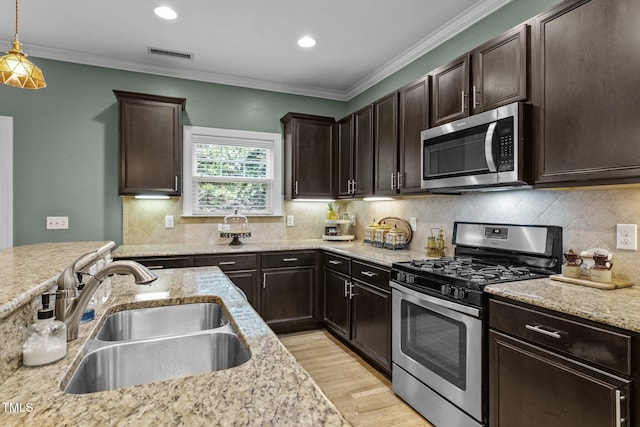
pixel 270 389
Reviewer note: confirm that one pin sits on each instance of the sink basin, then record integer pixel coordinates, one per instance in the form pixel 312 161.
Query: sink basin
pixel 161 321
pixel 139 362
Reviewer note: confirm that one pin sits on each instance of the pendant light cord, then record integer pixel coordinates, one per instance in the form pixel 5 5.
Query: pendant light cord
pixel 16 17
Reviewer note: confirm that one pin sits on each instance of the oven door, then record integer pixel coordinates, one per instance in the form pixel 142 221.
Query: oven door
pixel 439 343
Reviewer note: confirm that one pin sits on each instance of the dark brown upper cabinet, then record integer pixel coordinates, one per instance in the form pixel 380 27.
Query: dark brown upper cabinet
pixel 355 154
pixel 414 118
pixel 308 152
pixel 494 74
pixel 150 144
pixel 387 175
pixel 501 70
pixel 450 91
pixel 586 85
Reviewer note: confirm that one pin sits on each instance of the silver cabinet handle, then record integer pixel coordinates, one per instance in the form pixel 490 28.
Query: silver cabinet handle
pixel 476 104
pixel 351 290
pixel 538 329
pixel 393 180
pixel 369 273
pixel 226 263
pixel 464 107
pixel 175 185
pixel 335 262
pixel 289 259
pixel 346 288
pixel 295 188
pixel 264 280
pixel 399 180
pixel 155 267
pixel 355 186
pixel 619 399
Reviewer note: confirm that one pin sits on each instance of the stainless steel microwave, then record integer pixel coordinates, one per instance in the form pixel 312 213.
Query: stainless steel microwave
pixel 486 151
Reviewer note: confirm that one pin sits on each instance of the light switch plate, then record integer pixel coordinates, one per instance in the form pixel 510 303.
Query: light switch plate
pixel 627 237
pixel 57 222
pixel 168 221
pixel 290 221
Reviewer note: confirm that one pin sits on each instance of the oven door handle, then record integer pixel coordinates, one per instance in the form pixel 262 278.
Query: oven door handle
pixel 488 147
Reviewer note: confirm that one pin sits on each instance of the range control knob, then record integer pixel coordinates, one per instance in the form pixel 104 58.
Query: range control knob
pixel 401 276
pixel 411 278
pixel 445 290
pixel 459 293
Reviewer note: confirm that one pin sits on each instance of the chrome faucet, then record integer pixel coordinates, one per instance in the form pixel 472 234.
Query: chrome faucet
pixel 70 305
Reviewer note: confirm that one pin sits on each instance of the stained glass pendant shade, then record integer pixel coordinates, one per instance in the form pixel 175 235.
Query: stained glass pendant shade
pixel 16 70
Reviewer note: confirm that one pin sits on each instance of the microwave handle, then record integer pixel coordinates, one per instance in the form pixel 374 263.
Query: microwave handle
pixel 488 147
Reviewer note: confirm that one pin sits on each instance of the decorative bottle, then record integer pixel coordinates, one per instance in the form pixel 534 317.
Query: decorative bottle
pixel 46 339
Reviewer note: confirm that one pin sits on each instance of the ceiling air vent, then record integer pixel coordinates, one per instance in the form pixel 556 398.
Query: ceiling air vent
pixel 172 53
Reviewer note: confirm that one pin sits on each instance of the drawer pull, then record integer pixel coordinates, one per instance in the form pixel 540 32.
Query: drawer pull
pixel 289 259
pixel 335 262
pixel 369 273
pixel 155 267
pixel 227 263
pixel 539 330
pixel 619 399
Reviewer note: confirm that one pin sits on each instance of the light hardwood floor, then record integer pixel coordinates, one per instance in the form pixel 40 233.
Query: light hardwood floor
pixel 361 393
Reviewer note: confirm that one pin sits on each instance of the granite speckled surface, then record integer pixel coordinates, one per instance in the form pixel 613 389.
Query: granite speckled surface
pixel 270 389
pixel 618 307
pixel 28 271
pixel 354 249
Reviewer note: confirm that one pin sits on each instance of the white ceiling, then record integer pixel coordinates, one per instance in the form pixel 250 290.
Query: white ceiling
pixel 248 43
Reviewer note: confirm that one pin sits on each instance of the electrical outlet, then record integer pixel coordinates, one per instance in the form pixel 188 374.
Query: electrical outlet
pixel 413 223
pixel 627 236
pixel 57 223
pixel 290 221
pixel 168 221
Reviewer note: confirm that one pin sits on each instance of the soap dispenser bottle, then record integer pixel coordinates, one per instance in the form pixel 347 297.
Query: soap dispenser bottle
pixel 46 339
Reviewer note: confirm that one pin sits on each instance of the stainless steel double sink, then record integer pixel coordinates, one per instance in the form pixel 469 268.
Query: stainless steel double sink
pixel 140 346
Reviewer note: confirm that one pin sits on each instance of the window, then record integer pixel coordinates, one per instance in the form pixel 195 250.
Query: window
pixel 227 170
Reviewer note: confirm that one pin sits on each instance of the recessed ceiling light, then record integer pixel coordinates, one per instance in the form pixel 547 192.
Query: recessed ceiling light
pixel 165 12
pixel 306 42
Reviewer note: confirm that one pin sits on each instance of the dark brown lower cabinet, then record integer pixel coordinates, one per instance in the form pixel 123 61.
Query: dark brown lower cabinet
pixel 546 371
pixel 289 293
pixel 357 307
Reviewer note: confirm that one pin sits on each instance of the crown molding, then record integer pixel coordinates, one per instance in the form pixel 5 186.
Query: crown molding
pixel 452 28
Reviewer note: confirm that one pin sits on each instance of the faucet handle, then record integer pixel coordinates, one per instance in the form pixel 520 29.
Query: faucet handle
pixel 68 279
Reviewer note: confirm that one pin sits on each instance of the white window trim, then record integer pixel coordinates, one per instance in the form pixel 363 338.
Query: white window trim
pixel 187 155
pixel 6 182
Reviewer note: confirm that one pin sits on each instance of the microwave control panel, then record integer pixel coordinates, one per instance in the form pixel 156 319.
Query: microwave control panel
pixel 505 145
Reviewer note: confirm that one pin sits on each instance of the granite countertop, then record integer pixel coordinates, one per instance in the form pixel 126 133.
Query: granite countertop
pixel 30 270
pixel 270 389
pixel 354 249
pixel 618 307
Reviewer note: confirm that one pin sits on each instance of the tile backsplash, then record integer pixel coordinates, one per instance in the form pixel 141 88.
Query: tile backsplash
pixel 588 218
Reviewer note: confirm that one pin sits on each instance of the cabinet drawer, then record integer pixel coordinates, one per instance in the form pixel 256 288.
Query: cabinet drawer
pixel 374 275
pixel 228 262
pixel 288 259
pixel 337 263
pixel 590 343
pixel 165 262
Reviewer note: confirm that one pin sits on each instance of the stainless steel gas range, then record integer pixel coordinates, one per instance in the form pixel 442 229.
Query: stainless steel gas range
pixel 438 315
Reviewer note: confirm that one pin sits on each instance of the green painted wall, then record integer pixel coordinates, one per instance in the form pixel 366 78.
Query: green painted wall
pixel 65 136
pixel 66 141
pixel 507 17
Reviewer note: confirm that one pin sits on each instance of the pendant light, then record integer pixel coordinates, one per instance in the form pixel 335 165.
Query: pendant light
pixel 16 70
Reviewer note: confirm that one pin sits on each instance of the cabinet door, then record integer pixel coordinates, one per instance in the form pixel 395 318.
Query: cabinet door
pixel 287 298
pixel 386 145
pixel 363 154
pixel 337 302
pixel 531 387
pixel 586 98
pixel 248 282
pixel 450 91
pixel 371 323
pixel 414 118
pixel 345 151
pixel 500 70
pixel 309 150
pixel 150 144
